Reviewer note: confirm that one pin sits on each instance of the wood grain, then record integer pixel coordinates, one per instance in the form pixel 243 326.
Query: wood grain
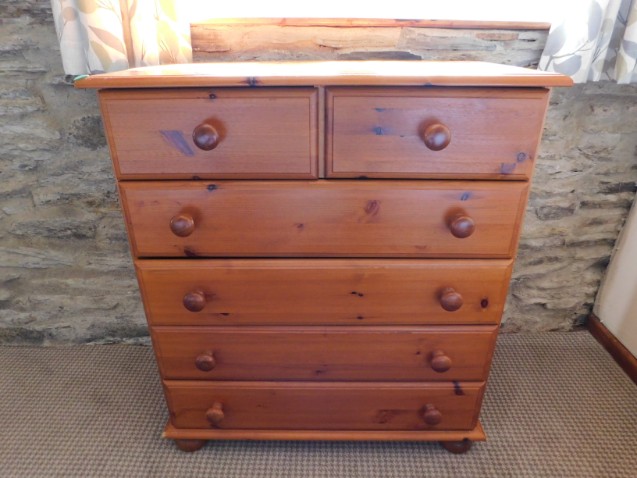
pixel 475 434
pixel 325 353
pixel 327 73
pixel 265 133
pixel 379 132
pixel 324 406
pixel 372 22
pixel 329 309
pixel 324 218
pixel 322 291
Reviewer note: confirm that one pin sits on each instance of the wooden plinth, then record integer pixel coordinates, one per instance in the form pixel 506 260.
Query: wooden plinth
pixel 170 432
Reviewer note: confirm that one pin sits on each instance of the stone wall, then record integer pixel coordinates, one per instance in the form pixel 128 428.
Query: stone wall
pixel 583 188
pixel 65 270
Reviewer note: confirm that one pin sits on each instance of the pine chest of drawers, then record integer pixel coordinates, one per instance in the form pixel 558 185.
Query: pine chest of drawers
pixel 324 249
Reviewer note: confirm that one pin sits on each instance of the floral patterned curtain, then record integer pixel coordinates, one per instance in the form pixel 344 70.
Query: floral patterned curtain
pixel 595 41
pixel 109 35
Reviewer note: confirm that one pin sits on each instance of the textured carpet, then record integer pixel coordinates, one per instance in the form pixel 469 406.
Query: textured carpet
pixel 556 406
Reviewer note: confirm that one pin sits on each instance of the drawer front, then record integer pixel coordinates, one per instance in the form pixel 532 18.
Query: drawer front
pixel 325 353
pixel 262 133
pixel 324 406
pixel 323 291
pixel 434 132
pixel 323 218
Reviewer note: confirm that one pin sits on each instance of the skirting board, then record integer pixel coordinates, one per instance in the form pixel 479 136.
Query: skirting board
pixel 626 360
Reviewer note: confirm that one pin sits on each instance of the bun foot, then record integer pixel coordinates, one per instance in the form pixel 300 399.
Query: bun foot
pixel 457 447
pixel 190 445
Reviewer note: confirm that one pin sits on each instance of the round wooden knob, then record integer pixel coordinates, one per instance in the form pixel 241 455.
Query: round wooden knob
pixel 182 225
pixel 214 414
pixel 205 362
pixel 194 301
pixel 462 226
pixel 205 137
pixel 431 415
pixel 450 300
pixel 436 136
pixel 439 361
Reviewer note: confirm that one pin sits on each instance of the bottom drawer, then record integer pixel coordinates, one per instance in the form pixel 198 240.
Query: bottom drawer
pixel 324 406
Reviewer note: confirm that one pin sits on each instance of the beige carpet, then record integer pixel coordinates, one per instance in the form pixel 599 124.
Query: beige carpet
pixel 556 406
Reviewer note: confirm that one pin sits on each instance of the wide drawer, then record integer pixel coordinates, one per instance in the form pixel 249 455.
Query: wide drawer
pixel 324 218
pixel 253 133
pixel 324 406
pixel 323 291
pixel 325 353
pixel 434 132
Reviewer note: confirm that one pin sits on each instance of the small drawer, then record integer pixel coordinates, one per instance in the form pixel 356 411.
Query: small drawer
pixel 212 132
pixel 469 133
pixel 325 353
pixel 324 406
pixel 358 292
pixel 324 218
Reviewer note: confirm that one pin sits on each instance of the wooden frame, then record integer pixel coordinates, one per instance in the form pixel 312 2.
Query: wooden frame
pixel 430 218
pixel 378 22
pixel 476 434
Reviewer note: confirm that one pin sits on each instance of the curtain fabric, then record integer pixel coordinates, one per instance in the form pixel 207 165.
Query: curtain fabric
pixel 109 35
pixel 595 41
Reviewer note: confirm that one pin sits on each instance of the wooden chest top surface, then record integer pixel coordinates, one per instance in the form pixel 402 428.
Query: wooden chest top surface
pixel 327 73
